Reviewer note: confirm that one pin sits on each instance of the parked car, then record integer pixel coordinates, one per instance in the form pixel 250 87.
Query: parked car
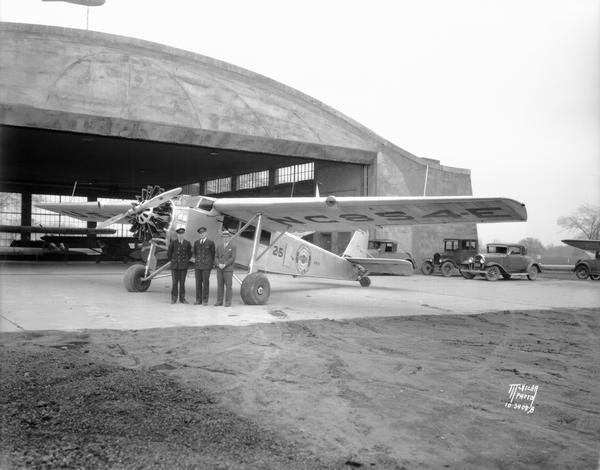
pixel 585 268
pixel 501 259
pixel 384 248
pixel 456 252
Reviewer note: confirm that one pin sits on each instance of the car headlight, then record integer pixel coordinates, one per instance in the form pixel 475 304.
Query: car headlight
pixel 470 260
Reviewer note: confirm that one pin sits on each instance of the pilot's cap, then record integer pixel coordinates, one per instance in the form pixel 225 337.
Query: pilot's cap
pixel 180 230
pixel 201 230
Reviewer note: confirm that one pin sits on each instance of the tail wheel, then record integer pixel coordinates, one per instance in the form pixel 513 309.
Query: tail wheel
pixel 582 272
pixel 365 281
pixel 446 268
pixel 493 273
pixel 256 289
pixel 532 273
pixel 427 268
pixel 133 279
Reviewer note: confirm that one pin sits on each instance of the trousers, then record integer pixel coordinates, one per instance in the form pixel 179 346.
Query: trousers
pixel 202 284
pixel 178 284
pixel 224 281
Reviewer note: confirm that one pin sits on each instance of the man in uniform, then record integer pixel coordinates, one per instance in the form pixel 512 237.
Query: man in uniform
pixel 224 261
pixel 179 254
pixel 204 254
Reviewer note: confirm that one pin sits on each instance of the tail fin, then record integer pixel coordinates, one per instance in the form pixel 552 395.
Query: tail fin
pixel 357 248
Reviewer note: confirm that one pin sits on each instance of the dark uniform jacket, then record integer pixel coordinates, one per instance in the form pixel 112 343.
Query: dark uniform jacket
pixel 204 254
pixel 179 254
pixel 226 256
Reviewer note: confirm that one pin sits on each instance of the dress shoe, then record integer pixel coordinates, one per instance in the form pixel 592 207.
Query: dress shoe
pixel 173 301
pixel 196 303
pixel 204 303
pixel 227 305
pixel 218 304
pixel 184 301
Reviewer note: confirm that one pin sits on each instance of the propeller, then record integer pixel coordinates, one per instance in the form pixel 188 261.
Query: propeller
pixel 150 214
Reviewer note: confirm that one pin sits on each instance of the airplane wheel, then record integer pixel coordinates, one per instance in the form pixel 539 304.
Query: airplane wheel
pixel 582 272
pixel 255 289
pixel 133 279
pixel 427 268
pixel 446 268
pixel 466 275
pixel 532 274
pixel 493 273
pixel 364 281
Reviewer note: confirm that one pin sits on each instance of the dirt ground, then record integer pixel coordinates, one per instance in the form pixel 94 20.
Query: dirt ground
pixel 423 392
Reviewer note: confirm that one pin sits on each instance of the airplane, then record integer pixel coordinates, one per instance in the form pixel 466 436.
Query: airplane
pixel 63 239
pixel 264 229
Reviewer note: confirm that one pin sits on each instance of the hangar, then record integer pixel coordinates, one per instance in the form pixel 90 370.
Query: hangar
pixel 100 115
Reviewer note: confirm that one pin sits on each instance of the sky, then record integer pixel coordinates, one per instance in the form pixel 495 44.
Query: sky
pixel 509 89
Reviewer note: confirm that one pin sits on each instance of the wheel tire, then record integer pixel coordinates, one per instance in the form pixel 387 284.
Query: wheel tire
pixel 446 268
pixel 427 268
pixel 595 277
pixel 582 272
pixel 364 281
pixel 493 273
pixel 256 289
pixel 133 279
pixel 466 275
pixel 532 273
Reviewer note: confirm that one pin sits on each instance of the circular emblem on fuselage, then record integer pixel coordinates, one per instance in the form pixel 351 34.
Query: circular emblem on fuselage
pixel 303 259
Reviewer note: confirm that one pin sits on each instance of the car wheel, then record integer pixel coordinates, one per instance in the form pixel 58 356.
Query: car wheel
pixel 582 272
pixel 466 275
pixel 595 277
pixel 446 268
pixel 364 281
pixel 427 268
pixel 492 273
pixel 532 273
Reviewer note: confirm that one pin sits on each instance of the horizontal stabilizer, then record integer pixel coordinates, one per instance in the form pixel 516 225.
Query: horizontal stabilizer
pixel 398 267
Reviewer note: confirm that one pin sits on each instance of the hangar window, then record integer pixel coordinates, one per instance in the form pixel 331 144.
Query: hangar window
pixel 10 214
pixel 291 174
pixel 253 180
pixel 221 185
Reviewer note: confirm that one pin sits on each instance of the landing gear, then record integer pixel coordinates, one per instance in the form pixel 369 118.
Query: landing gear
pixel 133 279
pixel 365 281
pixel 255 289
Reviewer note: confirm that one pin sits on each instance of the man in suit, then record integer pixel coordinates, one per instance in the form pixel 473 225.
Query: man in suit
pixel 204 254
pixel 179 254
pixel 224 261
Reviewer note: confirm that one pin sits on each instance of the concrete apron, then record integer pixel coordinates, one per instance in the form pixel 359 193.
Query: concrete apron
pixel 77 296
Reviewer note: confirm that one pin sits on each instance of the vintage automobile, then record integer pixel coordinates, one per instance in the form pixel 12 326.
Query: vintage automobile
pixel 501 259
pixel 456 252
pixel 585 268
pixel 384 248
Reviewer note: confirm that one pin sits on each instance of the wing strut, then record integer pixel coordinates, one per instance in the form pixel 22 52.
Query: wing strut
pixel 251 265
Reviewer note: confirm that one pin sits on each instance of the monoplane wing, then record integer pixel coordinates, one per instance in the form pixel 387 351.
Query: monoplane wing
pixel 363 213
pixel 88 211
pixel 588 245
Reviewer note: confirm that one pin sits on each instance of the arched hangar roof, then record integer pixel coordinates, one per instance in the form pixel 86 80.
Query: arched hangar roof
pixel 65 80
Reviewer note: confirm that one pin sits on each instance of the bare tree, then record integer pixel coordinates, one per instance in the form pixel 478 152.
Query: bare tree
pixel 534 246
pixel 586 221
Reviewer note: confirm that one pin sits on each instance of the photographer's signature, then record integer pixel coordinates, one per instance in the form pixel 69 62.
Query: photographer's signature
pixel 521 397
